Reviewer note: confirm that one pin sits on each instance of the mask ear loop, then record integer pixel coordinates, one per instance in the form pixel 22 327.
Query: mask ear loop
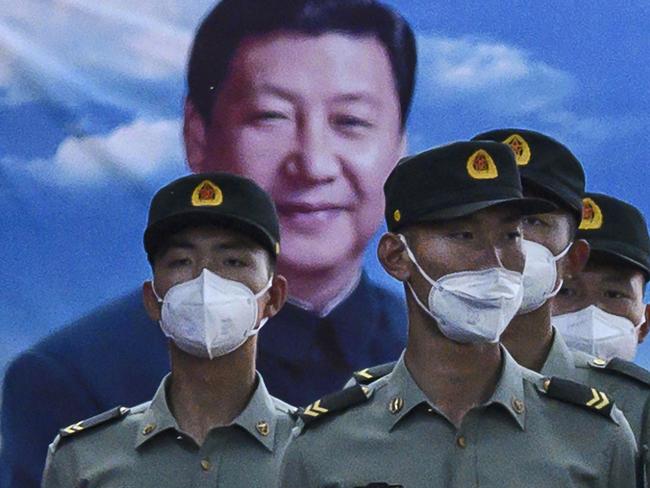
pixel 557 289
pixel 432 282
pixel 153 287
pixel 264 320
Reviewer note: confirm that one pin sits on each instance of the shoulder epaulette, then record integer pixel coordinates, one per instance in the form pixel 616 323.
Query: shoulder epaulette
pixel 368 375
pixel 624 368
pixel 335 402
pixel 584 396
pixel 114 413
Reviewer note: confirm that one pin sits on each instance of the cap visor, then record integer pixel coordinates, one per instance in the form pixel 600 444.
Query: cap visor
pixel 555 193
pixel 175 223
pixel 526 206
pixel 610 249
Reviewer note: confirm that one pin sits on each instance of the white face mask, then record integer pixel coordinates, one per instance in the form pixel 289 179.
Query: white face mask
pixel 210 316
pixel 599 333
pixel 472 306
pixel 540 274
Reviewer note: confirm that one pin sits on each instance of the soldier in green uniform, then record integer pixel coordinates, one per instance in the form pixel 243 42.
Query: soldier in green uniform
pixel 554 252
pixel 600 310
pixel 212 240
pixel 457 410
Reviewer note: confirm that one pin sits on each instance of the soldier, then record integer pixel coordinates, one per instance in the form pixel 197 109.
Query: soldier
pixel 600 310
pixel 457 410
pixel 212 240
pixel 554 252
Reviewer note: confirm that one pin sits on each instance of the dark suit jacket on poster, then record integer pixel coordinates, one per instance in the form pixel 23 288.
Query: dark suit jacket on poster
pixel 118 356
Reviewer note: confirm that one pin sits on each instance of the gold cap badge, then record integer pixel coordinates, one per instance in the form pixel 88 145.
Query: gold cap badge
pixel 480 166
pixel 207 194
pixel 592 216
pixel 520 147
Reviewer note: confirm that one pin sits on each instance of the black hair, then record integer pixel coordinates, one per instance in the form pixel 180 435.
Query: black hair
pixel 230 21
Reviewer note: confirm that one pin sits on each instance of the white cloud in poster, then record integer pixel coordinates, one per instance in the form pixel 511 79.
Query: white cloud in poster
pixel 491 74
pixel 130 152
pixel 70 50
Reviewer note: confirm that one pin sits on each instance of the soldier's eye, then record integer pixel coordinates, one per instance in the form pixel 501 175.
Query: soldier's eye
pixel 179 262
pixel 234 262
pixel 614 294
pixel 463 235
pixel 532 220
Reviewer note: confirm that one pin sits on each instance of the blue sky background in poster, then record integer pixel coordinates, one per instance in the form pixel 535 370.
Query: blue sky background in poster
pixel 90 122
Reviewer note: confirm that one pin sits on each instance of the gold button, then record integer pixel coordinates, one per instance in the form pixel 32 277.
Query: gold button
pixel 148 429
pixel 461 442
pixel 397 215
pixel 547 384
pixel 205 464
pixel 396 405
pixel 599 362
pixel 518 405
pixel 262 427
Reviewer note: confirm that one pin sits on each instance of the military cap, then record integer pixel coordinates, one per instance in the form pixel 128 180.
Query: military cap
pixel 545 165
pixel 453 181
pixel 615 228
pixel 221 198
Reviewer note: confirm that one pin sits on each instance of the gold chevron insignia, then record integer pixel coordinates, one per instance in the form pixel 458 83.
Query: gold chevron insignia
pixel 314 410
pixel 599 400
pixel 71 429
pixel 365 373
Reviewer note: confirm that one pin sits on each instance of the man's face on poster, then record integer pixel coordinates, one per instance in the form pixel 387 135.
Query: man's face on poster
pixel 315 121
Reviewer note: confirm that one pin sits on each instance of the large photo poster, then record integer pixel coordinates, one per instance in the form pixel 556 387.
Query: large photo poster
pixel 103 103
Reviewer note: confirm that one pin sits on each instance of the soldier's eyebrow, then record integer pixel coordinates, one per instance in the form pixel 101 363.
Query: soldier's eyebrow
pixel 613 277
pixel 176 243
pixel 234 244
pixel 513 217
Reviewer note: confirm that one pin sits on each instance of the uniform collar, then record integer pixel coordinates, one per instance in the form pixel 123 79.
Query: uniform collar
pixel 405 395
pixel 259 417
pixel 559 361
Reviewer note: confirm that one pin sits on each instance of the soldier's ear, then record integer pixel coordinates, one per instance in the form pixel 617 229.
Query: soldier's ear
pixel 577 257
pixel 392 256
pixel 277 296
pixel 150 300
pixel 194 135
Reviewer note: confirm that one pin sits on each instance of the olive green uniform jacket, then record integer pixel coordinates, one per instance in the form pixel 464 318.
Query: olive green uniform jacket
pixel 144 447
pixel 521 437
